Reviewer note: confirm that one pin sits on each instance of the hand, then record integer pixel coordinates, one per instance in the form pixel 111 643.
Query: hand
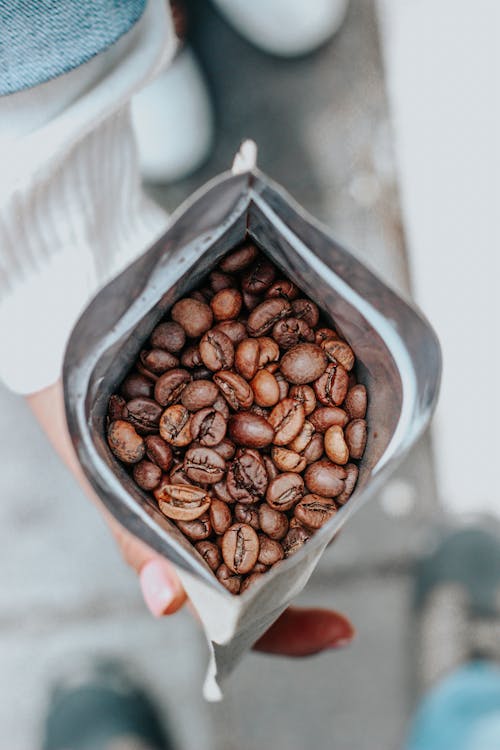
pixel 298 632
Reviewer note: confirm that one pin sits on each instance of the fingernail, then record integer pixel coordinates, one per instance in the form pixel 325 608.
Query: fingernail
pixel 341 643
pixel 157 589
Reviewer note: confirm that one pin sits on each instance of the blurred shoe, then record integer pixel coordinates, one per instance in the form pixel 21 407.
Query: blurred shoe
pixel 104 710
pixel 287 28
pixel 173 121
pixel 457 602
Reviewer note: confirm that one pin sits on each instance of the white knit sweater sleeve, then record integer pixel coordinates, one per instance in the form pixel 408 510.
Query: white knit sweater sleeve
pixel 72 209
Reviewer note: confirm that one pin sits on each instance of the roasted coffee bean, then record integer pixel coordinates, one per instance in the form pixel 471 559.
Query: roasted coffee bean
pixel 181 501
pixel 270 550
pixel 314 449
pixel 201 373
pixel 305 395
pixel 226 449
pixel 220 516
pixel 235 389
pixel 246 359
pixel 175 426
pixel 125 443
pixel 240 548
pixel 199 394
pixel 287 460
pixel 116 408
pixel 313 511
pixel 204 465
pixel 228 579
pixel 326 416
pixel 217 351
pixel 331 387
pixel 147 475
pixel 247 477
pixel 169 387
pixel 158 361
pixel 250 430
pixel 273 522
pixel 295 539
pixel 208 427
pixel 285 491
pixel 251 301
pixel 325 478
pixel 271 469
pixel 355 402
pixel 247 514
pixel 144 414
pixel 335 445
pixel 220 280
pixel 289 332
pixel 197 295
pixel 191 356
pixel 283 288
pixel 257 568
pixel 196 530
pixel 259 277
pixel 282 385
pixel 266 391
pixel 264 316
pixel 195 317
pixel 306 309
pixel 159 452
pixel 169 336
pixel 210 553
pixel 222 492
pixel 349 484
pixel 234 330
pixel 221 405
pixel 178 475
pixel 303 363
pixel 339 351
pixel 303 439
pixel 261 411
pixel 145 372
pixel 322 334
pixel 136 385
pixel 226 304
pixel 287 420
pixel 355 437
pixel 239 259
pixel 269 351
pixel 249 581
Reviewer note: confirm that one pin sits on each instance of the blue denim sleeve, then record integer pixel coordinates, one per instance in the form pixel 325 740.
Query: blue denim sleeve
pixel 41 39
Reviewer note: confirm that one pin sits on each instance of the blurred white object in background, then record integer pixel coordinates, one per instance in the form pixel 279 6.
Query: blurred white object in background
pixel 443 75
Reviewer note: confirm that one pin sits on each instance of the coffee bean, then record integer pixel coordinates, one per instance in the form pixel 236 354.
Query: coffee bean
pixel 199 394
pixel 210 553
pixel 291 331
pixel 226 304
pixel 125 443
pixel 259 277
pixel 181 501
pixel 257 568
pixel 250 430
pixel 234 330
pixel 322 334
pixel 159 452
pixel 175 426
pixel 191 356
pixel 208 426
pixel 264 316
pixel 220 516
pixel 147 475
pixel 204 465
pixel 273 522
pixel 331 387
pixel 219 280
pixel 116 408
pixel 136 385
pixel 303 439
pixel 270 550
pixel 260 411
pixel 282 385
pixel 144 414
pixel 239 259
pixel 249 581
pixel 283 288
pixel 251 301
pixel 169 387
pixel 158 361
pixel 225 448
pixel 326 416
pixel 217 351
pixel 305 395
pixel 196 530
pixel 247 477
pixel 246 358
pixel 265 388
pixel 314 450
pixel 178 475
pixel 195 317
pixel 355 402
pixel 306 309
pixel 355 437
pixel 201 373
pixel 222 492
pixel 240 548
pixel 198 295
pixel 325 478
pixel 303 363
pixel 335 445
pixel 313 511
pixel 339 351
pixel 247 514
pixel 285 491
pixel 145 372
pixel 287 460
pixel 235 390
pixel 294 540
pixel 221 405
pixel 271 469
pixel 287 420
pixel 228 579
pixel 269 351
pixel 169 336
pixel 349 484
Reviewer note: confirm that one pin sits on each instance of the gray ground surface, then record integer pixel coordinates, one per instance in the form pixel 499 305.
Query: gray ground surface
pixel 322 128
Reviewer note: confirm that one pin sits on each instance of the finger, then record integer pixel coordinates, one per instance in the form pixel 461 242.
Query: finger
pixel 302 632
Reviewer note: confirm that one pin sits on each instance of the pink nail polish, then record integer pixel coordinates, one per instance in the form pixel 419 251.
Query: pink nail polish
pixel 156 588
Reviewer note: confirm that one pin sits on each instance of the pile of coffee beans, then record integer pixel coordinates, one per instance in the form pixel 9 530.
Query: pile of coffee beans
pixel 243 418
